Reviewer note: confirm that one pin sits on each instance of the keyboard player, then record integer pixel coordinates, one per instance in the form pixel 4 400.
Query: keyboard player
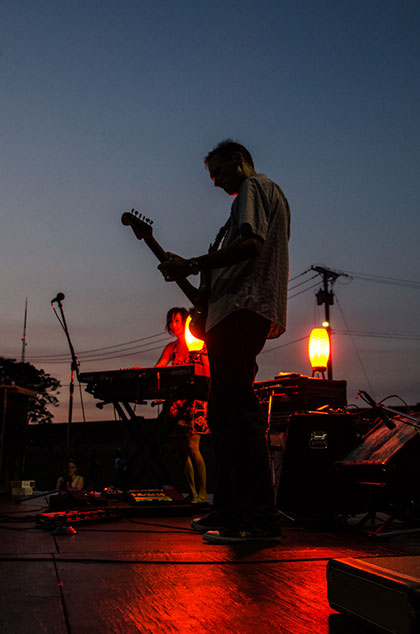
pixel 189 414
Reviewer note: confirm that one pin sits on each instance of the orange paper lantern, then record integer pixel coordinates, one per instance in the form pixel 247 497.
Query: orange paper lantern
pixel 319 349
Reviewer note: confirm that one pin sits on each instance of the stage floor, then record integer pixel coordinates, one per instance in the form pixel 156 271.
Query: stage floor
pixel 154 575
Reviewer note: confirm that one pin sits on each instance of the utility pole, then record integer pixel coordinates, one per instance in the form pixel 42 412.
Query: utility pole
pixel 24 332
pixel 326 296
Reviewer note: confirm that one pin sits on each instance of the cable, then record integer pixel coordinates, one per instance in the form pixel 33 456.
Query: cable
pixel 97 354
pixel 383 335
pixel 299 275
pixel 105 358
pixel 304 290
pixel 394 396
pixel 16 528
pixel 291 288
pixel 385 280
pixel 356 349
pixel 82 352
pixel 158 562
pixel 119 351
pixel 284 345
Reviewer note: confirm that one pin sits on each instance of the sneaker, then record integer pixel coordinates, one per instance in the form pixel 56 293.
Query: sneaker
pixel 211 522
pixel 243 535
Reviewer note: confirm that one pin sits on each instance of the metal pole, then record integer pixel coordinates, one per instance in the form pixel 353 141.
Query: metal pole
pixel 327 319
pixel 24 332
pixel 325 296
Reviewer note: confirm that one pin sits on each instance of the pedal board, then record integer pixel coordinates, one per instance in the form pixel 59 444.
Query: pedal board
pixel 71 517
pixel 144 497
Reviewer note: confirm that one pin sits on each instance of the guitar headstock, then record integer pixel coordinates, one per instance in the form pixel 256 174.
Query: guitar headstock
pixel 141 225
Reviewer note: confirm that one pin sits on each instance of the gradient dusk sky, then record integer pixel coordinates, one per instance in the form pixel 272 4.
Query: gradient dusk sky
pixel 108 105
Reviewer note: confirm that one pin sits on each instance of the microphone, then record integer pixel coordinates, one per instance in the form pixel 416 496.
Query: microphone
pixel 58 298
pixel 385 418
pixel 381 411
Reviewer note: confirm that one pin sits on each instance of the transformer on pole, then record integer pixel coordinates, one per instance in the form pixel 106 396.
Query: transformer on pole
pixel 326 296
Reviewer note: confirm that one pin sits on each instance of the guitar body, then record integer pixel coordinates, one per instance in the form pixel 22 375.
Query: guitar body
pixel 142 228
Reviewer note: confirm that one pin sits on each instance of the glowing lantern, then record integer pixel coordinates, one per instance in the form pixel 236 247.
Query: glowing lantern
pixel 193 344
pixel 319 350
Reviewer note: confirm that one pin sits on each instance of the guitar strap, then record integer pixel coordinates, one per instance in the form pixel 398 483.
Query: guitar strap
pixel 220 236
pixel 201 303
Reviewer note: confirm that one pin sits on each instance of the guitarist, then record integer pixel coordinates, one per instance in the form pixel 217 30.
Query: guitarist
pixel 247 304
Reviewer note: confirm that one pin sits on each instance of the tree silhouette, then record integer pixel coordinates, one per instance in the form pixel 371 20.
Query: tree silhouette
pixel 24 374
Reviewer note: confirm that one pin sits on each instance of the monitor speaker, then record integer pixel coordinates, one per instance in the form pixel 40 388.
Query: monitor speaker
pixel 388 456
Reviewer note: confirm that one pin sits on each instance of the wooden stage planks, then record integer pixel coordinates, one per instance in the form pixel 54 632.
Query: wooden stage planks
pixel 154 575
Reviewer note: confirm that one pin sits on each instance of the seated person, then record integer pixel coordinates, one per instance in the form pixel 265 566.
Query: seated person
pixel 71 478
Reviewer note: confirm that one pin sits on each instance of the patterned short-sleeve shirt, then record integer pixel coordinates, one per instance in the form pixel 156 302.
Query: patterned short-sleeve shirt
pixel 259 284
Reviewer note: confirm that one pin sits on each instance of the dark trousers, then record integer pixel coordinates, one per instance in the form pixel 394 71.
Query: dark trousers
pixel 244 488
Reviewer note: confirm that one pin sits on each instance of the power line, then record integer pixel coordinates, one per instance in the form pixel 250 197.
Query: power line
pixel 96 354
pixel 104 353
pixel 101 358
pixel 367 277
pixel 303 291
pixel 99 351
pixel 284 345
pixel 380 279
pixel 362 365
pixel 379 335
pixel 291 288
pixel 117 345
pixel 292 279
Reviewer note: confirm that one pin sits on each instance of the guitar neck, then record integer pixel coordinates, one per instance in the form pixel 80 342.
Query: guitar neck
pixel 186 287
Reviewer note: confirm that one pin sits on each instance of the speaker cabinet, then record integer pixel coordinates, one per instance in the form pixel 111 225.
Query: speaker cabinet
pixel 14 405
pixel 307 483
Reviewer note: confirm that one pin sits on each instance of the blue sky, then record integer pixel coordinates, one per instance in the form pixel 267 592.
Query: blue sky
pixel 112 105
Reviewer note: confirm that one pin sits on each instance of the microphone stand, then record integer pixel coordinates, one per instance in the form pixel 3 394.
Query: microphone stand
pixel 382 412
pixel 74 369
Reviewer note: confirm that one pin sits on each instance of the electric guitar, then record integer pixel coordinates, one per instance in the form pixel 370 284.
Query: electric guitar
pixel 142 228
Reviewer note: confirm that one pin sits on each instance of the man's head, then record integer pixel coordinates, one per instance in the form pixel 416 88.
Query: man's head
pixel 229 164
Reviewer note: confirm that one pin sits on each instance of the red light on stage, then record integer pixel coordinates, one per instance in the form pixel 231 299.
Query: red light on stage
pixel 193 344
pixel 319 350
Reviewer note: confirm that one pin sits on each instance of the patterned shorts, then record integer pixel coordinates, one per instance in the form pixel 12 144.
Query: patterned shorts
pixel 190 417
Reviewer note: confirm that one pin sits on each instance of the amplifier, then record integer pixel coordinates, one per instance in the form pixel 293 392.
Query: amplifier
pixel 294 392
pixel 307 479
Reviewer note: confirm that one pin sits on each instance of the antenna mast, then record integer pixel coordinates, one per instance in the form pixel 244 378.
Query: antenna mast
pixel 24 344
